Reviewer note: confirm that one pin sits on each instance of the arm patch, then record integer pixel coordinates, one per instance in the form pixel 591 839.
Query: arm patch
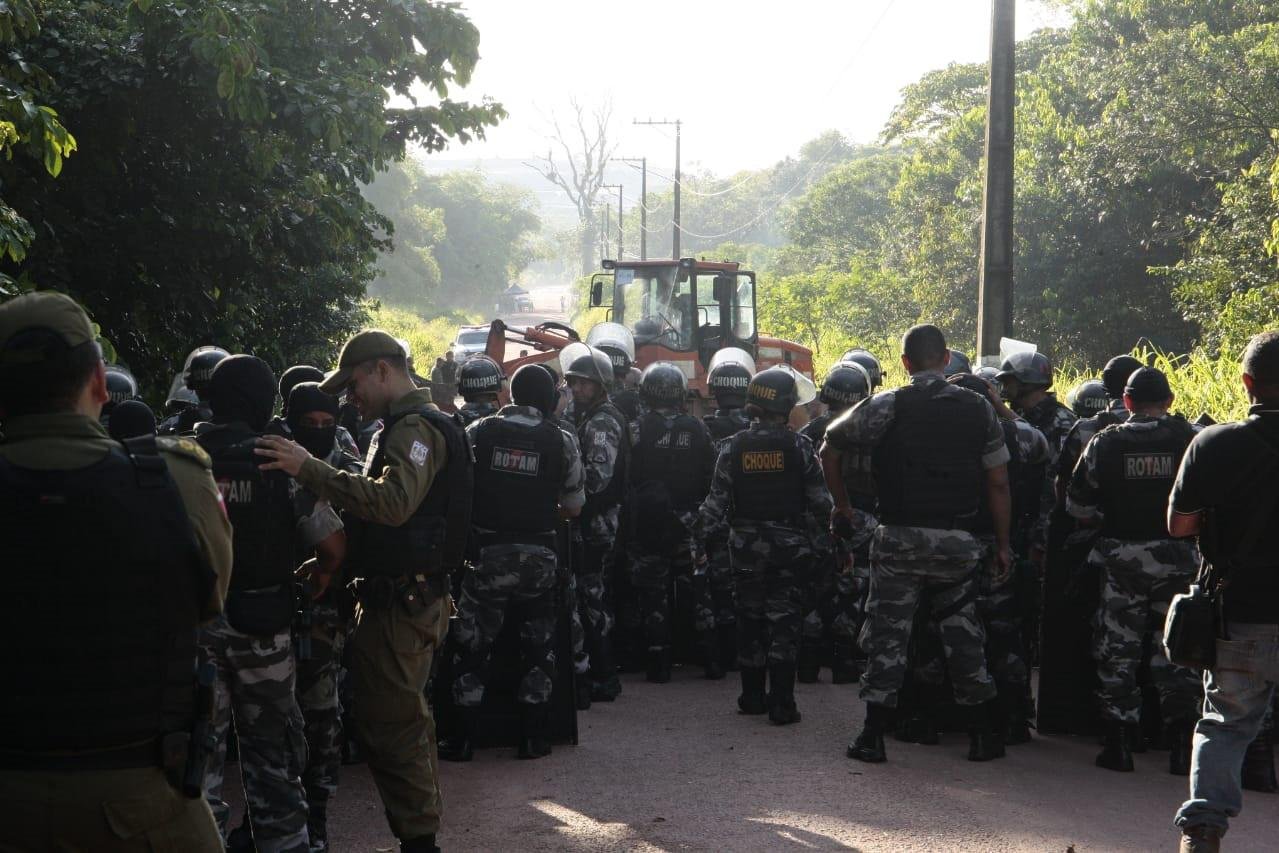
pixel 185 448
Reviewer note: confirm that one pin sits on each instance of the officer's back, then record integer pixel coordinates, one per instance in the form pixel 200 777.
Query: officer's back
pixel 123 553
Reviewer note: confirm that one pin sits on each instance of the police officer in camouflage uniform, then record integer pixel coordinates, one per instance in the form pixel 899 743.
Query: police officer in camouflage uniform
pixel 1089 398
pixel 1121 485
pixel 671 471
pixel 121 387
pixel 408 517
pixel 767 479
pixel 604 439
pixel 832 619
pixel 528 476
pixel 479 380
pixel 196 373
pixel 115 553
pixel 311 420
pixel 935 448
pixel 251 645
pixel 868 362
pixel 279 424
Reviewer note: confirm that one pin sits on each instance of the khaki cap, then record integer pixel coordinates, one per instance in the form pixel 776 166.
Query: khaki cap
pixel 42 309
pixel 366 346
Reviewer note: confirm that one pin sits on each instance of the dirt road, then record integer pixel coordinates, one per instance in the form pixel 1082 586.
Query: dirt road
pixel 673 767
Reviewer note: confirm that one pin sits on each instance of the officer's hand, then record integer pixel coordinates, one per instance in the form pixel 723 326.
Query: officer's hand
pixel 841 519
pixel 1003 564
pixel 319 581
pixel 282 454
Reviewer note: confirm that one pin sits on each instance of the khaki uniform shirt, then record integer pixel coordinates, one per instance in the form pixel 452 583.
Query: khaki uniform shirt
pixel 66 441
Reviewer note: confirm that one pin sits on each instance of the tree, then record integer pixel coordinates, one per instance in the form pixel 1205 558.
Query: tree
pixel 581 173
pixel 216 196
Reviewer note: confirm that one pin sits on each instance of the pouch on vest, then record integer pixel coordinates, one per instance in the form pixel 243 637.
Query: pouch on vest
pixel 261 612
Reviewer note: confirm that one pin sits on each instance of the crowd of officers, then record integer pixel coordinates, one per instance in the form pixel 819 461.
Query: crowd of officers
pixel 294 574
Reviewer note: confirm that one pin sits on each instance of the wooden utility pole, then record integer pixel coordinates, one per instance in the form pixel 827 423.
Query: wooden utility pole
pixel 995 283
pixel 617 187
pixel 643 161
pixel 675 219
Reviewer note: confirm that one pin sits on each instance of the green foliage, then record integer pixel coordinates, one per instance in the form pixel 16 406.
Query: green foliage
pixel 428 338
pixel 215 197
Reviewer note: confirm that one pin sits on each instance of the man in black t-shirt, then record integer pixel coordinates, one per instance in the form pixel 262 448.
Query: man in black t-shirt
pixel 1230 476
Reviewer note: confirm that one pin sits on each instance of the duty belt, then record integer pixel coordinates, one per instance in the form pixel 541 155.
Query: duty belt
pixel 378 593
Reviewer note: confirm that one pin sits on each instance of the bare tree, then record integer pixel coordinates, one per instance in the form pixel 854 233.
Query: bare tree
pixel 580 172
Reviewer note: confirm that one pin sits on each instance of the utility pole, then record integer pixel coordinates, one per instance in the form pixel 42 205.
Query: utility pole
pixel 676 233
pixel 604 234
pixel 617 187
pixel 995 284
pixel 643 161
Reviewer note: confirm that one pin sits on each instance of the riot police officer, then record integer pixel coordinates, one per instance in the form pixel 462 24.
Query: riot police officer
pixel 730 373
pixel 1121 486
pixel 672 465
pixel 1089 399
pixel 935 447
pixel 131 419
pixel 831 616
pixel 766 480
pixel 121 387
pixel 412 509
pixel 479 382
pixel 196 374
pixel 604 438
pixel 124 551
pixel 251 644
pixel 528 476
pixel 868 362
pixel 281 424
pixel 618 343
pixel 957 364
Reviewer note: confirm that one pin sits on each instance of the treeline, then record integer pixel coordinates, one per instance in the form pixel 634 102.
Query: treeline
pixel 1146 167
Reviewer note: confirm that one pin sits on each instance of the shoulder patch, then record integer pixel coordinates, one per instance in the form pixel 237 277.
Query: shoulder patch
pixel 418 453
pixel 184 447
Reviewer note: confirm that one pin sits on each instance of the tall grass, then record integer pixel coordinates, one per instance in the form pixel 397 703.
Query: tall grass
pixel 428 338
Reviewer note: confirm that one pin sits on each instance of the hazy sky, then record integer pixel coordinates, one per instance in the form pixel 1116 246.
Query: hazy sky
pixel 751 81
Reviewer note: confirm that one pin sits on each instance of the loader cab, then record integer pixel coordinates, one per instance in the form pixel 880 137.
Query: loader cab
pixel 685 306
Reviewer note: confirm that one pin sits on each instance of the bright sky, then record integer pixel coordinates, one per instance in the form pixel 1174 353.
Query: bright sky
pixel 750 81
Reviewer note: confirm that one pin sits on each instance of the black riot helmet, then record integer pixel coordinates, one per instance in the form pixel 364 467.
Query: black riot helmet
pixel 586 362
pixel 778 390
pixel 293 377
pixel 990 374
pixel 198 368
pixel 727 383
pixel 479 375
pixel 1116 372
pixel 867 361
pixel 121 387
pixel 1031 369
pixel 958 363
pixel 846 384
pixel 535 385
pixel 663 384
pixel 1089 399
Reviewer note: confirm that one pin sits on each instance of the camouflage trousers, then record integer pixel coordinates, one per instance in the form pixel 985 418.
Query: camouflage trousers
pixel 999 606
pixel 577 631
pixel 651 574
pixel 771 563
pixel 317 694
pixel 255 681
pixel 1139 580
pixel 593 610
pixel 509 582
pixel 833 601
pixel 907 564
pixel 714 591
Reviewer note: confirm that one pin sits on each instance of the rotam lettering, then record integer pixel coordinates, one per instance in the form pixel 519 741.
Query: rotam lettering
pixel 1148 466
pixel 236 491
pixel 526 463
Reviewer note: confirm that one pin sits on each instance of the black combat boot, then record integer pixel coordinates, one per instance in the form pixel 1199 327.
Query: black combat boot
pixel 457 744
pixel 604 683
pixel 1011 698
pixel 919 727
pixel 809 666
pixel 869 744
pixel 1115 754
pixel 535 731
pixel 844 668
pixel 986 725
pixel 781 694
pixel 607 690
pixel 752 699
pixel 727 647
pixel 714 668
pixel 582 690
pixel 1259 763
pixel 1200 839
pixel 317 826
pixel 421 844
pixel 659 664
pixel 1180 738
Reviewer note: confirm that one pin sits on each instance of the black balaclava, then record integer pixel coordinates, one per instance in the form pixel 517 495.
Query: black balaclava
pixel 131 419
pixel 533 385
pixel 304 398
pixel 294 376
pixel 242 389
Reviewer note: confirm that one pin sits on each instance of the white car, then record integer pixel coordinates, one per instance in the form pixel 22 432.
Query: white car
pixel 470 340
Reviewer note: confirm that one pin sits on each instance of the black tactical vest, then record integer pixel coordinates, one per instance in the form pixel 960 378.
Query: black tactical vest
pixel 628 402
pixel 674 455
pixel 815 430
pixel 100 607
pixel 433 540
pixel 768 475
pixel 928 467
pixel 1136 470
pixel 726 423
pixel 260 508
pixel 472 412
pixel 519 471
pixel 612 494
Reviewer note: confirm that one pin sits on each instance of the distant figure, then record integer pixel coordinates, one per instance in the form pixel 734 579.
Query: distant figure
pixel 562 304
pixel 523 353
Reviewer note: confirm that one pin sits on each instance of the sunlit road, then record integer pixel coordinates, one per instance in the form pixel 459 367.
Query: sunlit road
pixel 673 767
